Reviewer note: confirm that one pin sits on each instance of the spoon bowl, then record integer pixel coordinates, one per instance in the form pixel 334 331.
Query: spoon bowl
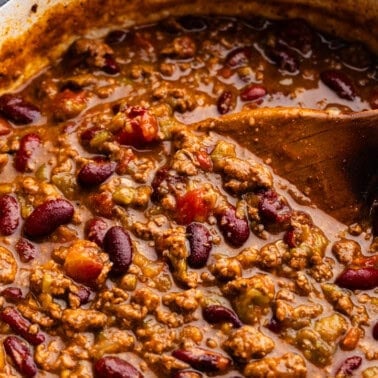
pixel 333 159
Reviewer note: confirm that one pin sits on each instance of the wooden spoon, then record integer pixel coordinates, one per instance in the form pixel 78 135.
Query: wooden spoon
pixel 333 159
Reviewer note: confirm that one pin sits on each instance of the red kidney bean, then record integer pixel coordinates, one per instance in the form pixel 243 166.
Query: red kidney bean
pixel 116 36
pixel 339 83
pixel 203 359
pixel 199 243
pixel 234 230
pixel 272 208
pixel 21 356
pixel 28 144
pixel 218 314
pixel 375 331
pixel 187 374
pixel 47 217
pixel 192 23
pixel 163 182
pixel 274 325
pixel 111 67
pixel 349 365
pixel 117 244
pixel 283 58
pixel 358 279
pixel 9 214
pixel 225 102
pixel 291 238
pixel 95 230
pixel 20 325
pixel 84 294
pixel 96 172
pixel 114 367
pixel 253 92
pixel 26 250
pixel 297 34
pixel 88 134
pixel 18 110
pixel 204 160
pixel 238 57
pixel 12 294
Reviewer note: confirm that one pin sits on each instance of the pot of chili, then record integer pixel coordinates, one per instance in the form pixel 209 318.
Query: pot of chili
pixel 132 245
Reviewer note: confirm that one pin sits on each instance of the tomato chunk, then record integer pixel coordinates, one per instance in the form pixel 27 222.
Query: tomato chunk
pixel 140 127
pixel 83 263
pixel 192 206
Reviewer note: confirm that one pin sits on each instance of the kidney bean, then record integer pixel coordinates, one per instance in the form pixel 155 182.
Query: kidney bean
pixel 358 279
pixel 225 102
pixel 96 172
pixel 199 243
pixel 95 230
pixel 117 244
pixel 238 57
pixel 187 374
pixel 116 36
pixel 339 83
pixel 375 331
pixel 18 110
pixel 204 160
pixel 47 217
pixel 292 238
pixel 234 230
pixel 114 367
pixel 26 250
pixel 20 325
pixel 274 325
pixel 297 34
pixel 283 58
pixel 21 356
pixel 88 134
pixel 12 294
pixel 253 92
pixel 349 365
pixel 272 208
pixel 217 314
pixel 203 360
pixel 29 143
pixel 163 182
pixel 9 214
pixel 111 67
pixel 83 294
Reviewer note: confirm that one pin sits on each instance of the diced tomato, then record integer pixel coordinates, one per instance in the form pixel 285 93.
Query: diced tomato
pixel 366 262
pixel 83 265
pixel 141 127
pixel 192 206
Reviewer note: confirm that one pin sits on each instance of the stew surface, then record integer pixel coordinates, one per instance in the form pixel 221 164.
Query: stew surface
pixel 132 245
